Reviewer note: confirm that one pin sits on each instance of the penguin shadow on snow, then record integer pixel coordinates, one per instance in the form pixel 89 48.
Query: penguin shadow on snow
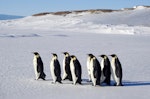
pixel 41 80
pixel 128 83
pixel 51 81
pixel 136 83
pixel 86 82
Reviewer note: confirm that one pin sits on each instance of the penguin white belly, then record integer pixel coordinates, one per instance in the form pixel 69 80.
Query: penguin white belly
pixel 102 74
pixel 52 70
pixel 35 68
pixel 88 68
pixel 64 71
pixel 72 67
pixel 113 68
pixel 92 75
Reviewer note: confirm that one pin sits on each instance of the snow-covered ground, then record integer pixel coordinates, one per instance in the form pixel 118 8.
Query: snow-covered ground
pixel 79 35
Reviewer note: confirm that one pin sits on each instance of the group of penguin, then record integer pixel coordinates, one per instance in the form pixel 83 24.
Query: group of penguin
pixel 98 72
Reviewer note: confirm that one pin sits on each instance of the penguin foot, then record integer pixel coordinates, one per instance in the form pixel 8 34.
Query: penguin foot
pixel 118 85
pixel 79 83
pixel 59 82
pixel 36 79
pixel 74 83
pixel 93 85
pixel 53 82
pixel 115 84
pixel 43 78
pixel 64 78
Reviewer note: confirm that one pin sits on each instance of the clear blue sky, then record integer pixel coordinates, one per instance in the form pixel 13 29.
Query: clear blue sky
pixel 29 7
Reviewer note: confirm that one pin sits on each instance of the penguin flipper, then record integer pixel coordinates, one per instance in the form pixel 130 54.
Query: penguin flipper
pixel 57 69
pixel 118 68
pixel 39 65
pixel 59 80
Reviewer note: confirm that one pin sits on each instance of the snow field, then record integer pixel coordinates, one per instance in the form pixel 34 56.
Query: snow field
pixel 17 76
pixel 79 35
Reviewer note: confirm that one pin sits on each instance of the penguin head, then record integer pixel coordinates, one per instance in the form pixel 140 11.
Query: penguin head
pixel 113 55
pixel 90 55
pixel 54 55
pixel 73 57
pixel 103 56
pixel 36 54
pixel 66 54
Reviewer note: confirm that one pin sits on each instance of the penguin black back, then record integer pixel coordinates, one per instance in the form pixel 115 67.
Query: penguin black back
pixel 39 67
pixel 78 69
pixel 106 69
pixel 118 66
pixel 39 64
pixel 57 69
pixel 117 69
pixel 67 63
pixel 67 66
pixel 97 70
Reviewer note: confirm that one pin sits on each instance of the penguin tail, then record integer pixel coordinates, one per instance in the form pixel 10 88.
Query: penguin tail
pixel 69 77
pixel 79 81
pixel 97 82
pixel 59 79
pixel 42 76
pixel 107 81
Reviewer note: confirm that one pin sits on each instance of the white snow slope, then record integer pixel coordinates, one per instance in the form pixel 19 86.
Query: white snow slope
pixel 79 35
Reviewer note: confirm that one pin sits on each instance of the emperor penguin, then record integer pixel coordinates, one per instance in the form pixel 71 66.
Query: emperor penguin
pixel 38 66
pixel 76 70
pixel 55 69
pixel 116 70
pixel 95 70
pixel 105 70
pixel 88 66
pixel 66 67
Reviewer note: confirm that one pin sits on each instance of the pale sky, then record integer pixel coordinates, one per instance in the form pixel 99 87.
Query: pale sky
pixel 30 7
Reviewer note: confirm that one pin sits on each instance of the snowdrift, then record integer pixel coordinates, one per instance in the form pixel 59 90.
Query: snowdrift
pixel 136 21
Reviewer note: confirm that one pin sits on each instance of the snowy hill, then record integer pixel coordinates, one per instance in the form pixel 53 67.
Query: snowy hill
pixel 125 21
pixel 8 17
pixel 79 34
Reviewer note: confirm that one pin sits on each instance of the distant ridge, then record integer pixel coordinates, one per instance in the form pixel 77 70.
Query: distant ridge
pixel 75 11
pixel 91 11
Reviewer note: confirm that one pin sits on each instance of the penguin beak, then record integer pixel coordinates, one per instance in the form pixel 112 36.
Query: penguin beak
pixel 63 52
pixel 52 53
pixel 33 52
pixel 88 54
